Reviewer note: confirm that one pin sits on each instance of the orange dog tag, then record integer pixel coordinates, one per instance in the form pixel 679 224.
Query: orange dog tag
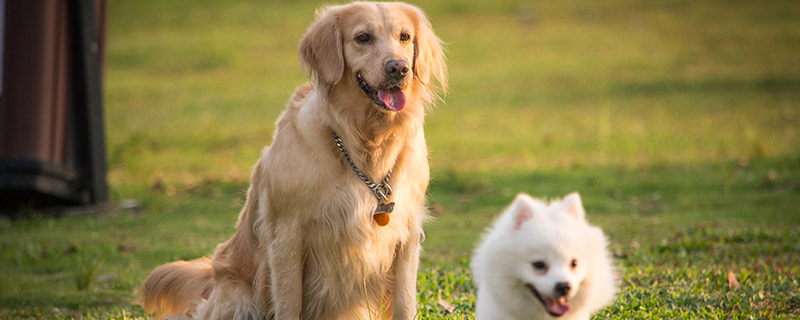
pixel 381 215
pixel 381 218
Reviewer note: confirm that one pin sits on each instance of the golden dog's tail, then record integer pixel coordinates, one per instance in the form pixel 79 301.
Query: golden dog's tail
pixel 177 287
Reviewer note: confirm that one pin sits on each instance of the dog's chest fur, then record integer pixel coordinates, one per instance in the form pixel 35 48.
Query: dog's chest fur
pixel 344 249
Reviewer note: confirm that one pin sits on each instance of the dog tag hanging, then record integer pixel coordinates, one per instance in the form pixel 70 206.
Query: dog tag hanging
pixel 381 216
pixel 381 191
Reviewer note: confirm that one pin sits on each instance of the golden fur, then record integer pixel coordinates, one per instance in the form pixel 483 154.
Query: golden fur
pixel 306 245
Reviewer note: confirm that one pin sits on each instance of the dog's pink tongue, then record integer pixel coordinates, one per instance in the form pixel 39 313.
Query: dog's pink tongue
pixel 556 306
pixel 394 100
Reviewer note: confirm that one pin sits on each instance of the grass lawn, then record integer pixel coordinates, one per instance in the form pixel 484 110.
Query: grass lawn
pixel 677 121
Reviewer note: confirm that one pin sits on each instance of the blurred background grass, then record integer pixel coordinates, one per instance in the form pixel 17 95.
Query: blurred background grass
pixel 592 87
pixel 547 85
pixel 667 116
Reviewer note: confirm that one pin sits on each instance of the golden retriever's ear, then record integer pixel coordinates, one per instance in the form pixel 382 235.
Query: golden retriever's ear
pixel 321 49
pixel 429 60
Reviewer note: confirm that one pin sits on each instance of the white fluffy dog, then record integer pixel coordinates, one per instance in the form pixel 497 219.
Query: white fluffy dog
pixel 542 260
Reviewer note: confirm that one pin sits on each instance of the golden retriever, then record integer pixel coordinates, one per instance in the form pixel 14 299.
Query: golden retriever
pixel 310 241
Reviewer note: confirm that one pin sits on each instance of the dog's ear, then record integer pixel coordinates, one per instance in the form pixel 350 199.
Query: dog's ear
pixel 575 206
pixel 429 60
pixel 321 50
pixel 521 210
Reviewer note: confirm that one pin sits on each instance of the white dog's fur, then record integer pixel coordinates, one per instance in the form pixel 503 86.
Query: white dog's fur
pixel 306 245
pixel 533 253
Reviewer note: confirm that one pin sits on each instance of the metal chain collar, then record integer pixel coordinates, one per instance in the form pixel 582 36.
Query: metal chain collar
pixel 382 190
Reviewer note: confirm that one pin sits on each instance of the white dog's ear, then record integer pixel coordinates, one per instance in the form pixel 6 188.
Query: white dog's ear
pixel 521 210
pixel 321 48
pixel 575 206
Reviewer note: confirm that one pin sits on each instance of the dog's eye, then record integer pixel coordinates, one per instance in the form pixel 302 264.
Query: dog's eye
pixel 404 37
pixel 574 263
pixel 363 38
pixel 539 265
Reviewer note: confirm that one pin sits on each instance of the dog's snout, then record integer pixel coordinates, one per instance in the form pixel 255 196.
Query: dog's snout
pixel 396 69
pixel 562 289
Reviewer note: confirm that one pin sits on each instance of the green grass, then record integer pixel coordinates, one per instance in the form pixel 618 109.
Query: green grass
pixel 676 120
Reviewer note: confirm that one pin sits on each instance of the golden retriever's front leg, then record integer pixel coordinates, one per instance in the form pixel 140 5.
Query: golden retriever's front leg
pixel 404 288
pixel 286 272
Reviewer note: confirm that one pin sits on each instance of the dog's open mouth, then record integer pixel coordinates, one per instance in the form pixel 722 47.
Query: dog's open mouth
pixel 555 306
pixel 392 99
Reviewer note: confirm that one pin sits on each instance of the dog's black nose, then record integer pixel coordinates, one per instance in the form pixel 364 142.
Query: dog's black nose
pixel 396 69
pixel 562 288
